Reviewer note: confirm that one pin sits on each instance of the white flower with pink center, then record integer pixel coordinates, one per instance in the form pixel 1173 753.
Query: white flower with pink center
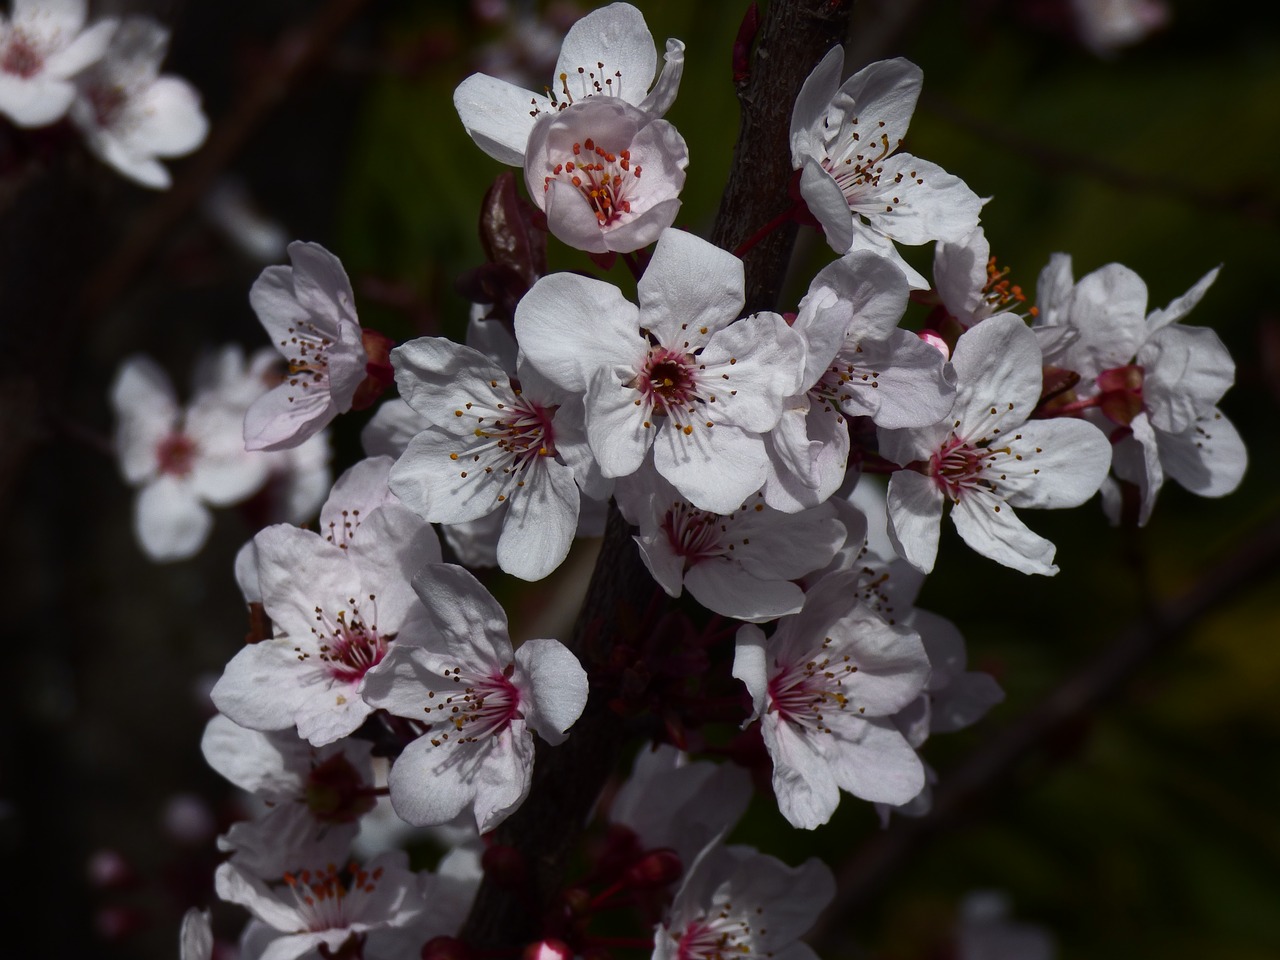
pixel 825 686
pixel 737 902
pixel 490 441
pixel 337 600
pixel 129 113
pixel 183 460
pixel 309 312
pixel 480 702
pixel 607 55
pixel 317 908
pixel 608 175
pixel 43 46
pixel 740 564
pixel 1152 383
pixel 677 374
pixel 987 458
pixel 845 140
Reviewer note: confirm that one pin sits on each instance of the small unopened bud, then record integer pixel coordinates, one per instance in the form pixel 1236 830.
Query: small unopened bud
pixel 504 866
pixel 445 948
pixel 549 949
pixel 657 868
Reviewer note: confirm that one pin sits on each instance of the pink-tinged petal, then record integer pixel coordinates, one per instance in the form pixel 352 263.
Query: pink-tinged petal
pixel 439 488
pixel 787 547
pixel 541 522
pixel 689 284
pixel 904 447
pixel 1187 370
pixel 392 426
pixel 502 781
pixel 282 418
pixel 84 51
pixel 644 228
pixel 877 764
pixel 611 44
pixel 750 369
pixel 803 780
pixel 298 571
pixel 570 218
pixel 146 411
pixel 360 490
pixel 811 106
pixel 664 564
pixel 1179 307
pixel 862 293
pixel 664 92
pixel 326 716
pixel 1108 309
pixel 915 516
pixel 882 96
pixel 394 544
pixel 724 587
pixel 256 761
pixel 827 203
pixel 556 688
pixel 321 286
pixel 910 384
pixel 960 273
pixel 170 521
pixel 278 310
pixel 170 122
pixel 464 614
pixel 497 115
pixel 1208 459
pixel 617 430
pixel 715 468
pixel 991 528
pixel 998 372
pixel 432 784
pixel 1054 463
pixel 751 666
pixel 927 203
pixel 400 682
pixel 865 239
pixel 37 102
pixel 260 686
pixel 569 326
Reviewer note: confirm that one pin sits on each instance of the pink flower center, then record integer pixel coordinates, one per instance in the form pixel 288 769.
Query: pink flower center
pixel 859 165
pixel 959 466
pixel 693 534
pixel 307 352
pixel 478 706
pixel 1120 393
pixel 346 645
pixel 723 936
pixel 336 793
pixel 803 693
pixel 669 386
pixel 21 57
pixel 330 899
pixel 176 455
pixel 517 437
pixel 603 178
pixel 107 103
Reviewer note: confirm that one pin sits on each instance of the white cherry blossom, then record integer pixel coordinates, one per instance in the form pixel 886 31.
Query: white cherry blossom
pixel 987 458
pixel 607 174
pixel 737 902
pixel 676 374
pixel 609 53
pixel 1151 381
pixel 44 44
pixel 480 701
pixel 337 600
pixel 184 460
pixel 845 140
pixel 309 312
pixel 195 938
pixel 313 797
pixel 490 440
pixel 129 113
pixel 825 686
pixel 739 564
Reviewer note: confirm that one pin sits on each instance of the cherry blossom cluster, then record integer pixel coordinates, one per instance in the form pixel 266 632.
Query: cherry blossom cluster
pixel 104 77
pixel 381 681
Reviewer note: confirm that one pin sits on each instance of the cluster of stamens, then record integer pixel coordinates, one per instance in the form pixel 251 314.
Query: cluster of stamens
pixel 326 897
pixel 477 707
pixel 590 83
pixel 698 535
pixel 176 455
pixel 346 645
pixel 802 693
pixel 669 386
pixel 306 351
pixel 602 177
pixel 832 391
pixel 510 439
pixel 722 936
pixel 999 293
pixel 340 535
pixel 860 165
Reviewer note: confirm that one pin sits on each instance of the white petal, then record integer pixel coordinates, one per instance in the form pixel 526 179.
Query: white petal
pixel 557 688
pixel 689 284
pixel 992 529
pixel 998 376
pixel 915 515
pixel 1188 369
pixel 171 523
pixel 1058 463
pixel 879 765
pixel 541 522
pixel 496 115
pixel 724 587
pixel 605 43
pixel 1208 459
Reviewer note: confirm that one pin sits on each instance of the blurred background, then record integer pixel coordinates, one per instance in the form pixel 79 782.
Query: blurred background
pixel 1148 828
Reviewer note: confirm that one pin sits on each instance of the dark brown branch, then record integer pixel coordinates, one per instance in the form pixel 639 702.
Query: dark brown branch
pixel 866 873
pixel 567 779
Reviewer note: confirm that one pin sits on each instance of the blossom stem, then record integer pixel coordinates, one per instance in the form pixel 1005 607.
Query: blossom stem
pixel 787 215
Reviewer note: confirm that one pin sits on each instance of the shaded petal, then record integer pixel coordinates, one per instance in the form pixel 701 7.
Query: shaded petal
pixel 992 529
pixel 915 515
pixel 557 688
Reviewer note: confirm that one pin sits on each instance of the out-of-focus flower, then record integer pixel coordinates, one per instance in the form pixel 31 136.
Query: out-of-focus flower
pixel 43 45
